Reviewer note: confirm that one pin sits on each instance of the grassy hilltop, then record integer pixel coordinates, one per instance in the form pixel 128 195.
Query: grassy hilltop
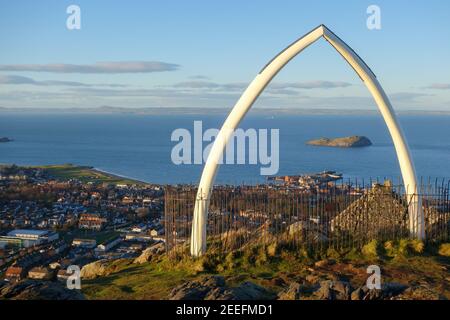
pixel 424 269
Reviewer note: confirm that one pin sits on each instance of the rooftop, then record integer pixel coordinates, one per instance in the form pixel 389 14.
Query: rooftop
pixel 14 233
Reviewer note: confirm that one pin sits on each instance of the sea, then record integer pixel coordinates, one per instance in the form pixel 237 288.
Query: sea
pixel 140 146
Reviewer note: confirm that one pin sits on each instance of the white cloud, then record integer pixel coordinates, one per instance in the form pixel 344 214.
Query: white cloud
pixel 439 86
pixel 98 67
pixel 21 80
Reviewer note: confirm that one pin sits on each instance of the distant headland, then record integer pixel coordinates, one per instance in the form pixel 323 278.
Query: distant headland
pixel 343 142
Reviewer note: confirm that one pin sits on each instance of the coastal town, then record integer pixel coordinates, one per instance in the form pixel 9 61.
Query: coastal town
pixel 47 224
pixel 57 218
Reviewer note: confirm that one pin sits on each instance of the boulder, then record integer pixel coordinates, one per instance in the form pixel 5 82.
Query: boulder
pixel 291 293
pixel 39 290
pixel 251 291
pixel 152 251
pixel 387 291
pixel 422 292
pixel 95 269
pixel 214 288
pixel 333 290
pixel 197 289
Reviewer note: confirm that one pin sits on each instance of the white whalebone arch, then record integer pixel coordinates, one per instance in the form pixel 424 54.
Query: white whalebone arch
pixel 416 220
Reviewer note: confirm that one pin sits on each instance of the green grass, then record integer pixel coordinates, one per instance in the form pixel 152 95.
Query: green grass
pixel 148 281
pixel 85 174
pixel 99 236
pixel 155 280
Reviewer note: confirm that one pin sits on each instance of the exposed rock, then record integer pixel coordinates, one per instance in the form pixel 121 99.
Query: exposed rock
pixel 308 231
pixel 251 291
pixel 213 288
pixel 197 289
pixel 359 293
pixel 333 290
pixel 291 293
pixel 96 269
pixel 387 291
pixel 344 142
pixel 324 263
pixel 422 292
pixel 152 251
pixel 39 290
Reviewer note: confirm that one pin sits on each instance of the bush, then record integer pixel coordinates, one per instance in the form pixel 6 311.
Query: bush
pixel 407 247
pixel 333 254
pixel 272 249
pixel 444 249
pixel 390 248
pixel 371 250
pixel 417 246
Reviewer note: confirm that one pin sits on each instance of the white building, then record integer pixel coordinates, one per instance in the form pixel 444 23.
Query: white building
pixel 29 237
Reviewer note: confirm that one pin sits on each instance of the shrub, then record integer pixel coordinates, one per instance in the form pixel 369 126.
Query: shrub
pixel 272 249
pixel 404 248
pixel 371 250
pixel 417 246
pixel 444 249
pixel 333 254
pixel 230 261
pixel 390 248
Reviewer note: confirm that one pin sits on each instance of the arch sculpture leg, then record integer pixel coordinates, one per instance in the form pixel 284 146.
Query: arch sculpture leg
pixel 198 237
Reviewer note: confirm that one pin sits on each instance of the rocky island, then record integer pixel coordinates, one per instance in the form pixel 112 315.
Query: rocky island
pixel 5 139
pixel 344 142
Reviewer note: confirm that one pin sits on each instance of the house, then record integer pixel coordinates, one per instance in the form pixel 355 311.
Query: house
pixel 84 243
pixel 139 228
pixel 156 232
pixel 40 273
pixel 108 245
pixel 14 273
pixel 91 222
pixel 141 237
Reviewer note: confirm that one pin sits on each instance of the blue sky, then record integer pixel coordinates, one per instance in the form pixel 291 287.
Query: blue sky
pixel 203 53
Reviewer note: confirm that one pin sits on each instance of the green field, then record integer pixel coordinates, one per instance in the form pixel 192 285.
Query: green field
pixel 85 174
pixel 99 236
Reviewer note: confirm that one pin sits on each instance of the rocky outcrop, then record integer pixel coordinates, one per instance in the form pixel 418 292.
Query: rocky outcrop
pixel 214 288
pixel 344 142
pixel 343 290
pixel 421 292
pixel 387 292
pixel 292 292
pixel 307 231
pixel 96 269
pixel 39 290
pixel 152 251
pixel 333 290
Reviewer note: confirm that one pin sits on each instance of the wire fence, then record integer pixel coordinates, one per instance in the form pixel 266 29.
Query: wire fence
pixel 332 215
